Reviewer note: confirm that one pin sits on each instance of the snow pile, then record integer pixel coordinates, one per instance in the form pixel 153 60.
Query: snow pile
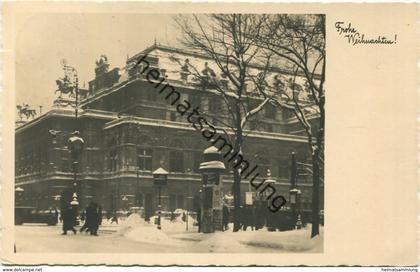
pixel 149 234
pixel 173 233
pixel 177 225
pixel 135 228
pixel 181 224
pixel 290 241
pixel 133 220
pixel 222 242
pixel 262 241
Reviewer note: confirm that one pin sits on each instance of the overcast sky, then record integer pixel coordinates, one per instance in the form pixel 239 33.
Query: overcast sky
pixel 45 39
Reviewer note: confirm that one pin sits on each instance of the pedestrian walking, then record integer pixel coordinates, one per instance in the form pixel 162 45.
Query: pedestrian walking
pixel 251 212
pixel 243 215
pixel 114 218
pixel 68 215
pixel 260 215
pixel 199 219
pixel 89 216
pixel 96 219
pixel 225 220
pixel 54 216
pixel 99 215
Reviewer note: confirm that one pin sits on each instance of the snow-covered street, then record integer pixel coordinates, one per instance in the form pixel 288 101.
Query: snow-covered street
pixel 133 235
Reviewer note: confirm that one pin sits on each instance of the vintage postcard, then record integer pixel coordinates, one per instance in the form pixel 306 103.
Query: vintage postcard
pixel 209 134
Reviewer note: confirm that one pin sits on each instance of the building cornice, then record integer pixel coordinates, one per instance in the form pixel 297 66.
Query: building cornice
pixel 188 127
pixel 191 53
pixel 88 113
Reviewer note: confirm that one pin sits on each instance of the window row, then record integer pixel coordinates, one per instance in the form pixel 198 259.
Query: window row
pixel 177 163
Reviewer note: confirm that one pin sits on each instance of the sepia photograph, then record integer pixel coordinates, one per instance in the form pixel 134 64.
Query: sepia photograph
pixel 138 135
pixel 170 133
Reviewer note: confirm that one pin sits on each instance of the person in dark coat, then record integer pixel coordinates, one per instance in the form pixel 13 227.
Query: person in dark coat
pixel 225 220
pixel 99 215
pixel 89 216
pixel 260 215
pixel 172 218
pixel 114 218
pixel 54 216
pixel 68 215
pixel 96 219
pixel 251 212
pixel 248 219
pixel 243 218
pixel 199 219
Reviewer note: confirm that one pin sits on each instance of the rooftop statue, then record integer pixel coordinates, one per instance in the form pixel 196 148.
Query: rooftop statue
pixel 103 60
pixel 65 86
pixel 26 111
pixel 102 65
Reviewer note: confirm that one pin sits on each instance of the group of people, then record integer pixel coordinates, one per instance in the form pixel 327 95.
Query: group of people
pixel 92 217
pixel 248 217
pixel 257 217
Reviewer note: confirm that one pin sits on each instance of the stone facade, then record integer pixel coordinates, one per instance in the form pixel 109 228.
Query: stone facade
pixel 130 131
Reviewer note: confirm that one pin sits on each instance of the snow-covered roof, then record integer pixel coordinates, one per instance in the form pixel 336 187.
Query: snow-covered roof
pixel 76 138
pixel 212 150
pixel 212 165
pixel 170 60
pixel 160 171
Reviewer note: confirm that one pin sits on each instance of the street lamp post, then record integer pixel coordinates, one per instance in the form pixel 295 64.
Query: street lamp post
pixel 138 183
pixel 295 193
pixel 19 192
pixel 160 178
pixel 70 85
pixel 75 145
pixel 271 222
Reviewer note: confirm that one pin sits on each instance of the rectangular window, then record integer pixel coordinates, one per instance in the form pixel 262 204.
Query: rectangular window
pixel 284 169
pixel 214 105
pixel 144 159
pixel 195 100
pixel 197 160
pixel 287 114
pixel 151 95
pixel 173 116
pixel 180 202
pixel 270 112
pixel 139 200
pixel 113 160
pixel 172 202
pixel 253 125
pixel 176 161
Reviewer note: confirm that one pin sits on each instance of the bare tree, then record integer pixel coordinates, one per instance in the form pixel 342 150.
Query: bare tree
pixel 298 41
pixel 228 42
